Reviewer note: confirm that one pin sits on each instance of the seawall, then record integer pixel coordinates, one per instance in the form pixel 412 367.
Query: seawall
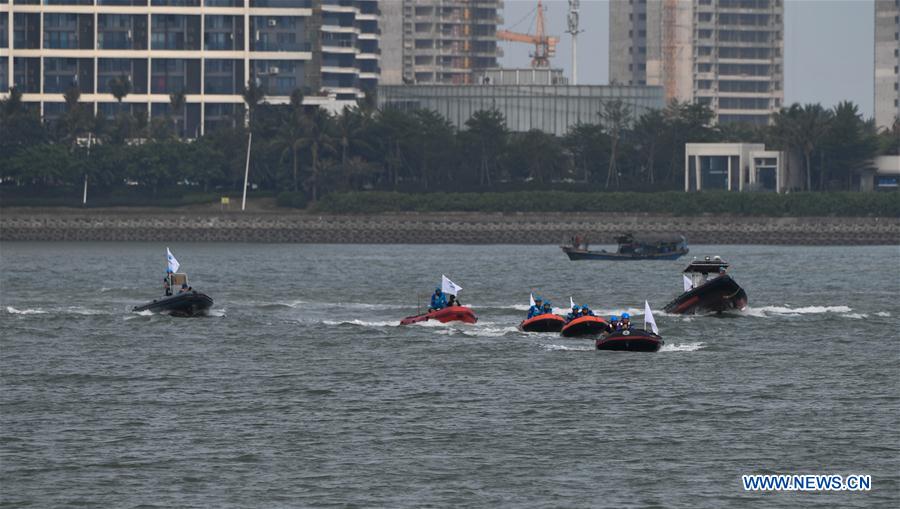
pixel 453 228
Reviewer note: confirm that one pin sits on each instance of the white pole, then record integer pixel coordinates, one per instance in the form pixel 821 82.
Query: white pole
pixel 246 173
pixel 84 198
pixel 575 58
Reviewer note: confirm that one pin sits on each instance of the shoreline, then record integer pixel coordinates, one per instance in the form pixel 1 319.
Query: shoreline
pixel 203 225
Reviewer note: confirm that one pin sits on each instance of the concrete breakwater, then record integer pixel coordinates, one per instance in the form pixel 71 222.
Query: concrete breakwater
pixel 452 228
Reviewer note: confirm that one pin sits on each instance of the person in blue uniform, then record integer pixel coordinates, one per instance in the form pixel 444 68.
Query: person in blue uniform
pixel 438 300
pixel 613 324
pixel 586 311
pixel 536 308
pixel 547 308
pixel 626 321
pixel 576 313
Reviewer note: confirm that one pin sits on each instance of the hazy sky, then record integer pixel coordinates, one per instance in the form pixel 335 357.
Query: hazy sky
pixel 828 46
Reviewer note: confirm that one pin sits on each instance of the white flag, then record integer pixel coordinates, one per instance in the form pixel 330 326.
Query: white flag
pixel 571 302
pixel 448 286
pixel 687 282
pixel 172 262
pixel 648 318
pixel 531 300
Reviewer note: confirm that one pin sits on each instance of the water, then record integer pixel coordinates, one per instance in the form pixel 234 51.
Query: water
pixel 301 390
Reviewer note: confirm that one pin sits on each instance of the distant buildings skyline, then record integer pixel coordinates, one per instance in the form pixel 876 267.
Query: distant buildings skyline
pixel 726 54
pixel 207 50
pixel 887 62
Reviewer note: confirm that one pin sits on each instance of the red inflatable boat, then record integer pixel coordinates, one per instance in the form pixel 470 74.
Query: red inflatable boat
pixel 584 326
pixel 631 340
pixel 450 314
pixel 547 322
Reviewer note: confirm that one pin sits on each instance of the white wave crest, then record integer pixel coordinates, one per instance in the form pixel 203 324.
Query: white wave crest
pixel 882 313
pixel 683 347
pixel 145 312
pixel 363 323
pixel 13 311
pixel 218 313
pixel 564 348
pixel 786 310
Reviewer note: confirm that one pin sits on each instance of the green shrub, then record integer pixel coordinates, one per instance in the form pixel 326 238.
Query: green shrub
pixel 292 199
pixel 672 202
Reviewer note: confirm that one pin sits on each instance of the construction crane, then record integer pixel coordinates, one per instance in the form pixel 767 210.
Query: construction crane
pixel 544 45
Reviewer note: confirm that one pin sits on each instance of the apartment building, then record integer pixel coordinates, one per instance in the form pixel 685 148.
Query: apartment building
pixel 728 54
pixel 207 49
pixel 887 62
pixel 439 41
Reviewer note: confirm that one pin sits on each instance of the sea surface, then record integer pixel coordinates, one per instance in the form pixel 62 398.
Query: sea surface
pixel 301 390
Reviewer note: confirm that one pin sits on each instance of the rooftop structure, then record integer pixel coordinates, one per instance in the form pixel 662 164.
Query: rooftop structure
pixel 733 167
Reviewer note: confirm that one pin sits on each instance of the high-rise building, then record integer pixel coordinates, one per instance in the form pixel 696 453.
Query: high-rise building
pixel 206 49
pixel 438 41
pixel 887 62
pixel 727 54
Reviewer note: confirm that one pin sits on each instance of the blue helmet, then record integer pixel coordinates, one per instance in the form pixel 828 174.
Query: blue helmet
pixel 613 318
pixel 547 303
pixel 437 290
pixel 538 299
pixel 625 315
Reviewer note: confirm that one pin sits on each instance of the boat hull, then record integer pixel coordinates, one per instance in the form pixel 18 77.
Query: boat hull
pixel 183 304
pixel 715 296
pixel 584 326
pixel 582 254
pixel 547 322
pixel 449 314
pixel 630 340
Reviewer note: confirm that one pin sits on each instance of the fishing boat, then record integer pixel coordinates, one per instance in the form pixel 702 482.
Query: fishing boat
pixel 547 322
pixel 584 326
pixel 631 247
pixel 445 315
pixel 180 298
pixel 708 289
pixel 630 340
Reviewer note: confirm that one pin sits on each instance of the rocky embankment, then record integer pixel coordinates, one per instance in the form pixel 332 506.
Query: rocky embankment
pixel 455 228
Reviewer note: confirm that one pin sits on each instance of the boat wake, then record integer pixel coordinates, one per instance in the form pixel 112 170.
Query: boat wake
pixel 72 310
pixel 683 347
pixel 564 348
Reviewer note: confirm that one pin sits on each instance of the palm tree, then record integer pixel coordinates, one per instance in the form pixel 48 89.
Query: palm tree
pixel 783 134
pixel 177 102
pixel 317 136
pixel 813 125
pixel 253 95
pixel 120 87
pixel 648 129
pixel 486 129
pixel 616 116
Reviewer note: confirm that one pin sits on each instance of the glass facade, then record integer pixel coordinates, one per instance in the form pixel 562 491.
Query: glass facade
pixel 552 109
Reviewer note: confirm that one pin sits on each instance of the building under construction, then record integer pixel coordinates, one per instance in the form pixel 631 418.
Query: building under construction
pixel 727 54
pixel 438 41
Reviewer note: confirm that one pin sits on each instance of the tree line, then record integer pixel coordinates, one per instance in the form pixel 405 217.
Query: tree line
pixel 306 152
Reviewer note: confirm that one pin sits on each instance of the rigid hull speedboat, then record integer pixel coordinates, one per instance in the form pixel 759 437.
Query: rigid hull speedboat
pixel 584 326
pixel 631 247
pixel 547 322
pixel 709 290
pixel 445 315
pixel 191 303
pixel 630 340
